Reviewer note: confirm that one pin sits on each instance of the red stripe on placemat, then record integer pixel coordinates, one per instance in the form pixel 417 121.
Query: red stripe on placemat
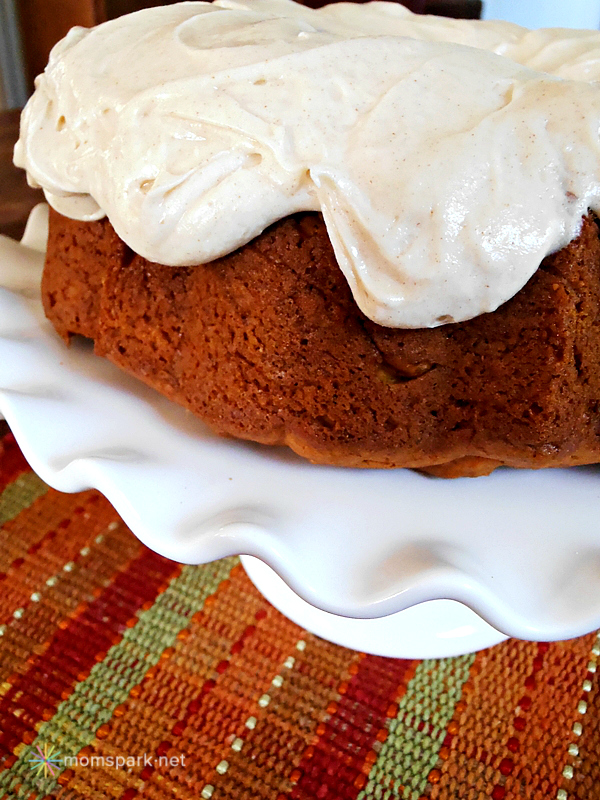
pixel 76 647
pixel 337 765
pixel 12 461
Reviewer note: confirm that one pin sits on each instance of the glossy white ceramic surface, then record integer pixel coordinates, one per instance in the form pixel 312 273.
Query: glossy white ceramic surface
pixel 520 548
pixel 434 629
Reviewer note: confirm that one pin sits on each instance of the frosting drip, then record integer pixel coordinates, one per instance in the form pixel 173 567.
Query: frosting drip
pixel 445 156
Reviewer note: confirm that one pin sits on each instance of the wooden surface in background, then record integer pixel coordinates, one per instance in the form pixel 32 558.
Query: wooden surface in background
pixel 16 197
pixel 44 22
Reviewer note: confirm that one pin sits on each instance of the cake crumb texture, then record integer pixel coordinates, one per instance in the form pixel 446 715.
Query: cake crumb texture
pixel 268 344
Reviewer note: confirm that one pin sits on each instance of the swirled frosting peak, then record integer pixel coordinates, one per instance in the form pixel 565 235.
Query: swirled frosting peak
pixel 445 157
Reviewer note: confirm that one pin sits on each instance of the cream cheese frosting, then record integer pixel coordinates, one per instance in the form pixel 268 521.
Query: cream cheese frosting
pixel 448 157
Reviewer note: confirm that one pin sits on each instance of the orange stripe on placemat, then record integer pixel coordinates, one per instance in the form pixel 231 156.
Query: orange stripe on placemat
pixel 240 687
pixel 76 647
pixel 492 692
pixel 49 517
pixel 283 719
pixel 12 461
pixel 529 691
pixel 452 729
pixel 57 549
pixel 339 762
pixel 546 713
pixel 581 772
pixel 108 552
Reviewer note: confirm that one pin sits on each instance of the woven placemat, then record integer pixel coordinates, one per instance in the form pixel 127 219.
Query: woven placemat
pixel 126 675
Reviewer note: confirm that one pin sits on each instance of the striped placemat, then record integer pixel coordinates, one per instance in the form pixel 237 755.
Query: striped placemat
pixel 126 675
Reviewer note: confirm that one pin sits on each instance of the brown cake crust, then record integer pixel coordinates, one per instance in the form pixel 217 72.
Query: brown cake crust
pixel 268 344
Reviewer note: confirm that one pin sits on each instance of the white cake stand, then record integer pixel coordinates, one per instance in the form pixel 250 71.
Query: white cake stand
pixel 382 561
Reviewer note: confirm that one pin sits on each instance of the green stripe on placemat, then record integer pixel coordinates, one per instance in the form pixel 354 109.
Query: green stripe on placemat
pixel 94 699
pixel 417 733
pixel 19 495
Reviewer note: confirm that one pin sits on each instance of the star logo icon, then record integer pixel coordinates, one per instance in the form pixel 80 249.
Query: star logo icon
pixel 46 761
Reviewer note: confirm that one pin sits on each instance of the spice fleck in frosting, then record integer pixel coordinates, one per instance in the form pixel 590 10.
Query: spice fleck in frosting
pixel 445 172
